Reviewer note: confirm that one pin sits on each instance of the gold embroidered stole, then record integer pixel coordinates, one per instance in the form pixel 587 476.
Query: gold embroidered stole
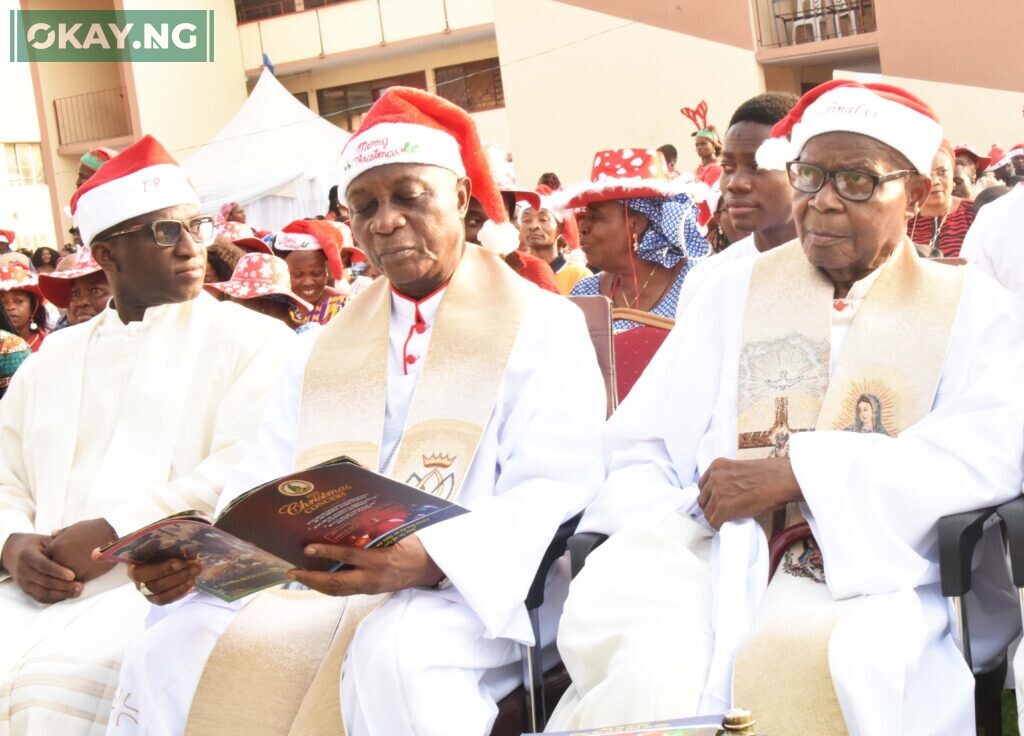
pixel 884 381
pixel 342 411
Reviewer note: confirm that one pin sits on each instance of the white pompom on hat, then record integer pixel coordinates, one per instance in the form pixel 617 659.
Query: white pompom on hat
pixel 888 114
pixel 142 178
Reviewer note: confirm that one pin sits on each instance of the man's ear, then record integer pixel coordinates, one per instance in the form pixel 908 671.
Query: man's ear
pixel 103 252
pixel 920 187
pixel 464 191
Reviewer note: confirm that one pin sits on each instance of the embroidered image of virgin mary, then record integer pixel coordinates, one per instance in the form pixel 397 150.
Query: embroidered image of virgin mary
pixel 867 417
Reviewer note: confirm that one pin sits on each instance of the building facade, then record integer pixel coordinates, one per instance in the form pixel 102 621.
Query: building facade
pixel 551 81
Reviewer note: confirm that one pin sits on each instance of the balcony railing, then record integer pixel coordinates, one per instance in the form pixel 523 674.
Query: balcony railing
pixel 248 10
pixel 792 22
pixel 93 116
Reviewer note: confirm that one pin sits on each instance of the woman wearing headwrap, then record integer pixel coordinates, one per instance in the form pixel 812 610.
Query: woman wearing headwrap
pixel 639 229
pixel 230 222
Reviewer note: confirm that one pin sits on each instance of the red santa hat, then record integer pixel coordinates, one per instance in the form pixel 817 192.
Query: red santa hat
pixel 7 236
pixel 1017 150
pixel 315 235
pixel 15 277
pixel 998 158
pixel 980 162
pixel 409 125
pixel 259 275
pixel 888 114
pixel 56 285
pixel 566 219
pixel 254 245
pixel 142 178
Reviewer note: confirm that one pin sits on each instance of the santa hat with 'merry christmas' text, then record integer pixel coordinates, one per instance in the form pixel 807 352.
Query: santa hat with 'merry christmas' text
pixel 888 114
pixel 411 126
pixel 142 178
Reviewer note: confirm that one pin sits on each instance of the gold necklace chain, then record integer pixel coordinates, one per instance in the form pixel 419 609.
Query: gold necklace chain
pixel 636 297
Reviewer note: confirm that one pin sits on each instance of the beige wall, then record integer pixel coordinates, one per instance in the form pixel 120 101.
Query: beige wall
pixel 577 81
pixel 185 105
pixel 927 40
pixel 969 114
pixel 493 125
pixel 302 39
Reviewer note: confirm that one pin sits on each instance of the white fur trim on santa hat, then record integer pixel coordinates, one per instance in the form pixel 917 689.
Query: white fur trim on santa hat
pixel 859 110
pixel 574 196
pixel 397 143
pixel 296 241
pixel 152 188
pixel 774 153
pixel 501 238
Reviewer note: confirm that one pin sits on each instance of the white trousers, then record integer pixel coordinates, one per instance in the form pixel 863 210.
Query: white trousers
pixel 636 631
pixel 420 664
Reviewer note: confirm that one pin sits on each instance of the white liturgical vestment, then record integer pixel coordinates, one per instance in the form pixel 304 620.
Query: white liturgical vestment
pixel 426 661
pixel 995 241
pixel 653 621
pixel 127 422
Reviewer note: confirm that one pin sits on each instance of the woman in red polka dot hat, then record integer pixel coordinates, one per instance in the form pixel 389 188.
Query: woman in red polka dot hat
pixel 639 227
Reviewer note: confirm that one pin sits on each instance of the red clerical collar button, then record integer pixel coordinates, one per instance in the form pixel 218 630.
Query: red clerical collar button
pixel 421 328
pixel 410 359
pixel 839 305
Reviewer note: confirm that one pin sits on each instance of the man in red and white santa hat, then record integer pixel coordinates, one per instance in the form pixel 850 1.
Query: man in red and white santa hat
pixel 119 421
pixel 447 373
pixel 827 382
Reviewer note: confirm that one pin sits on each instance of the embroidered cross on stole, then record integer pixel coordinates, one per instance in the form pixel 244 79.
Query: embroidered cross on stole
pixel 342 413
pixel 883 381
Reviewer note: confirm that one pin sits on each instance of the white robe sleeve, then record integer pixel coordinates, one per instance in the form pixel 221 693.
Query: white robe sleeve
pixel 874 501
pixel 548 468
pixel 234 429
pixel 995 241
pixel 273 453
pixel 656 441
pixel 17 503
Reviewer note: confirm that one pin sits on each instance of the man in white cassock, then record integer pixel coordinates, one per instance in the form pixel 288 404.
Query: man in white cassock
pixel 759 200
pixel 132 416
pixel 995 241
pixel 449 374
pixel 837 396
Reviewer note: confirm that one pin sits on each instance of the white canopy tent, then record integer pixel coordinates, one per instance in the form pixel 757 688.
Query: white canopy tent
pixel 275 156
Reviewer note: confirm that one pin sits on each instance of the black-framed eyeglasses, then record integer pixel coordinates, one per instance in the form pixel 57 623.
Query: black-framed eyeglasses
pixel 851 184
pixel 167 233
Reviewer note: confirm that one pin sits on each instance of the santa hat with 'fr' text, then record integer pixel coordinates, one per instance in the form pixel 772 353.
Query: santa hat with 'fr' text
pixel 411 126
pixel 888 114
pixel 142 178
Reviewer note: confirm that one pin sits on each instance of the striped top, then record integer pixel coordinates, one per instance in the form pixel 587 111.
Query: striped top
pixel 951 234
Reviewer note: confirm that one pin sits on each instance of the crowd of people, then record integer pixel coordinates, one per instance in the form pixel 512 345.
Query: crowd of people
pixel 839 375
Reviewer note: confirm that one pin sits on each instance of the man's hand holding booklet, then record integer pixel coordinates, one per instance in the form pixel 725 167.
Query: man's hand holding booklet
pixel 267 532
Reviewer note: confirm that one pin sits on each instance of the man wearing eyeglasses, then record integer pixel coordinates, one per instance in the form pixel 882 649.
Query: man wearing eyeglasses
pixel 777 510
pixel 122 420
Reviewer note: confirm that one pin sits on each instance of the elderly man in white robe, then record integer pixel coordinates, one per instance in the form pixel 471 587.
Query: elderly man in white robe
pixel 840 396
pixel 448 373
pixel 117 422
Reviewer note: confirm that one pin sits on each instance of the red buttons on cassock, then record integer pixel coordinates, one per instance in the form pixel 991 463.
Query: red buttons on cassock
pixel 410 359
pixel 420 328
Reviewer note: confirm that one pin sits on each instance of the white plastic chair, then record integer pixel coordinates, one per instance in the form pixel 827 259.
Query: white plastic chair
pixel 844 7
pixel 809 13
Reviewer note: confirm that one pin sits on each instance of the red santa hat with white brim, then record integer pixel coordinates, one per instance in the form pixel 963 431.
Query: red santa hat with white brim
pixel 142 178
pixel 322 235
pixel 888 114
pixel 410 126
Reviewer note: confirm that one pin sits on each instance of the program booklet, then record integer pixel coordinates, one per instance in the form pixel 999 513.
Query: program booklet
pixel 699 726
pixel 261 535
